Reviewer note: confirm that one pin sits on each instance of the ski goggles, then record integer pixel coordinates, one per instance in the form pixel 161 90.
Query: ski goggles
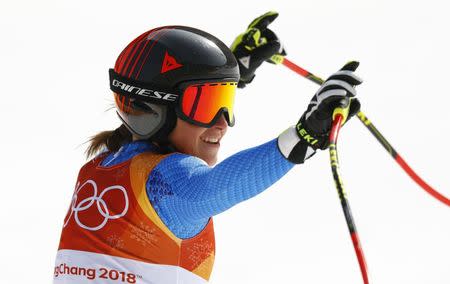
pixel 197 102
pixel 202 103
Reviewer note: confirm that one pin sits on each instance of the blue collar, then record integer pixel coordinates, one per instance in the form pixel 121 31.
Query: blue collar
pixel 128 151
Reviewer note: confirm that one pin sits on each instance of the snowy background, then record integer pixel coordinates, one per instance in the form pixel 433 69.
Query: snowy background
pixel 54 58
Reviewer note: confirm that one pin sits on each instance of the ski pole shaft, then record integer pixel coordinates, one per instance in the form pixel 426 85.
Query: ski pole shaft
pixel 339 116
pixel 369 125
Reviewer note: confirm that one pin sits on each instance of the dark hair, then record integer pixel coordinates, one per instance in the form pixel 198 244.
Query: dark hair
pixel 111 139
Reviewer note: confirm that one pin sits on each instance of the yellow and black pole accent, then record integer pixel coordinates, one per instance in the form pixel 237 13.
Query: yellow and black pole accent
pixel 339 117
pixel 369 125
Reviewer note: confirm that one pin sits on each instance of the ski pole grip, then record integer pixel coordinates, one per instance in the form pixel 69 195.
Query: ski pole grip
pixel 343 111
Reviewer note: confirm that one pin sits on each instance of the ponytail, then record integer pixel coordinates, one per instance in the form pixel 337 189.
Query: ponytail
pixel 112 140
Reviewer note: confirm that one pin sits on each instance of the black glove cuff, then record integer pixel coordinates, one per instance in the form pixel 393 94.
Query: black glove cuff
pixel 298 153
pixel 293 148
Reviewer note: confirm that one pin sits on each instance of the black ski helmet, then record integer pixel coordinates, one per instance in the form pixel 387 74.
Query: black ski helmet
pixel 149 70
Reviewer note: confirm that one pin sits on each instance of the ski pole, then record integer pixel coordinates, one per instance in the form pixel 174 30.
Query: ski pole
pixel 369 125
pixel 339 115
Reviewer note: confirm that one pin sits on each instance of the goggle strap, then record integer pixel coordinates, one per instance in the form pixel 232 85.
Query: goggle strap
pixel 141 91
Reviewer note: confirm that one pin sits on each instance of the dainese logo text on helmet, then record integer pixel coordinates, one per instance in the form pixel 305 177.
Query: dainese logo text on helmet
pixel 144 92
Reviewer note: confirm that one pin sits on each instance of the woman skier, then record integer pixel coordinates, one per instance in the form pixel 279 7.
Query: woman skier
pixel 142 208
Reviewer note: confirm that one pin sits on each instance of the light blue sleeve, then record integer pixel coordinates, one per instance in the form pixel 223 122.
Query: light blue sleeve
pixel 186 192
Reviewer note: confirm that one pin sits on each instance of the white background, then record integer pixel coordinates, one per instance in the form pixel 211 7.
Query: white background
pixel 54 58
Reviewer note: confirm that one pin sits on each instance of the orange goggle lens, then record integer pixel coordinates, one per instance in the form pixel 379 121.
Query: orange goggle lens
pixel 202 102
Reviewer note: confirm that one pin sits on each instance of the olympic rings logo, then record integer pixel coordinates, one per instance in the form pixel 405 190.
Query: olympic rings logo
pixel 102 207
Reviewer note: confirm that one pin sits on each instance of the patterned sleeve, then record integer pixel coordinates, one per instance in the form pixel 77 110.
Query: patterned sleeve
pixel 183 186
